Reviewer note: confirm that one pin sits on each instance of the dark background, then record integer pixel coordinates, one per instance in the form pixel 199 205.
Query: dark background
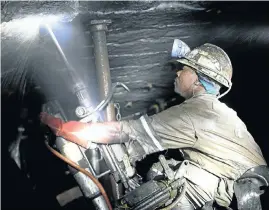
pixel 139 43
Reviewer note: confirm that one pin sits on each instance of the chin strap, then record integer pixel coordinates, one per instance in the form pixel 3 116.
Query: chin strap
pixel 223 94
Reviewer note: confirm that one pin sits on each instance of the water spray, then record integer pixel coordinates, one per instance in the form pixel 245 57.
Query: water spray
pixel 78 86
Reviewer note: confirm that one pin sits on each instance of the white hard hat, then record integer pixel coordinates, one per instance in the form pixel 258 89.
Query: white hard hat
pixel 210 60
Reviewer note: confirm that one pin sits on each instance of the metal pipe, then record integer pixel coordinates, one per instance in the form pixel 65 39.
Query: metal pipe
pixel 94 159
pixel 98 29
pixel 82 150
pixel 123 178
pixel 103 174
pixel 109 161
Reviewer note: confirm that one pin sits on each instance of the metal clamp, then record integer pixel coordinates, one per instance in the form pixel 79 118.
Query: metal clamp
pixel 82 111
pixel 102 104
pixel 182 169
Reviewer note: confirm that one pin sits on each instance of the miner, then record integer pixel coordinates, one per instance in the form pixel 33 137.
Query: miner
pixel 208 133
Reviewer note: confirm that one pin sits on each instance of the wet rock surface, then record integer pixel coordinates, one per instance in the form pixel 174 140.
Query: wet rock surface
pixel 139 41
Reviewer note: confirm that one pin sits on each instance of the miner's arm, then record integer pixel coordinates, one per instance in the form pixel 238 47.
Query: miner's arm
pixel 171 128
pixel 85 133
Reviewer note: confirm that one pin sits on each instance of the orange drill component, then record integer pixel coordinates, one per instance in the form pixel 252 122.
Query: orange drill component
pixel 84 133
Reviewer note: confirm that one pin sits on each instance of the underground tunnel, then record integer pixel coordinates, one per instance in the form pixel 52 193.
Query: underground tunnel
pixel 55 53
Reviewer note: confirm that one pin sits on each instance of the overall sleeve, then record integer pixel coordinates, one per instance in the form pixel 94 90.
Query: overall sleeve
pixel 169 129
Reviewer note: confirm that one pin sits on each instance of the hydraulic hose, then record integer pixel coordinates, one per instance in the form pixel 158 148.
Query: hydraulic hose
pixel 74 165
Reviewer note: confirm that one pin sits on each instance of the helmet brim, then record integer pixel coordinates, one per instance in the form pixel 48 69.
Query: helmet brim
pixel 184 61
pixel 181 61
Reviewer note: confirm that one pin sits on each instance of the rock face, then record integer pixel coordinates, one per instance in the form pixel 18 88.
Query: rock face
pixel 139 42
pixel 17 10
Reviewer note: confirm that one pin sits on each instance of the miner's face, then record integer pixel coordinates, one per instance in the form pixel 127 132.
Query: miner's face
pixel 186 77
